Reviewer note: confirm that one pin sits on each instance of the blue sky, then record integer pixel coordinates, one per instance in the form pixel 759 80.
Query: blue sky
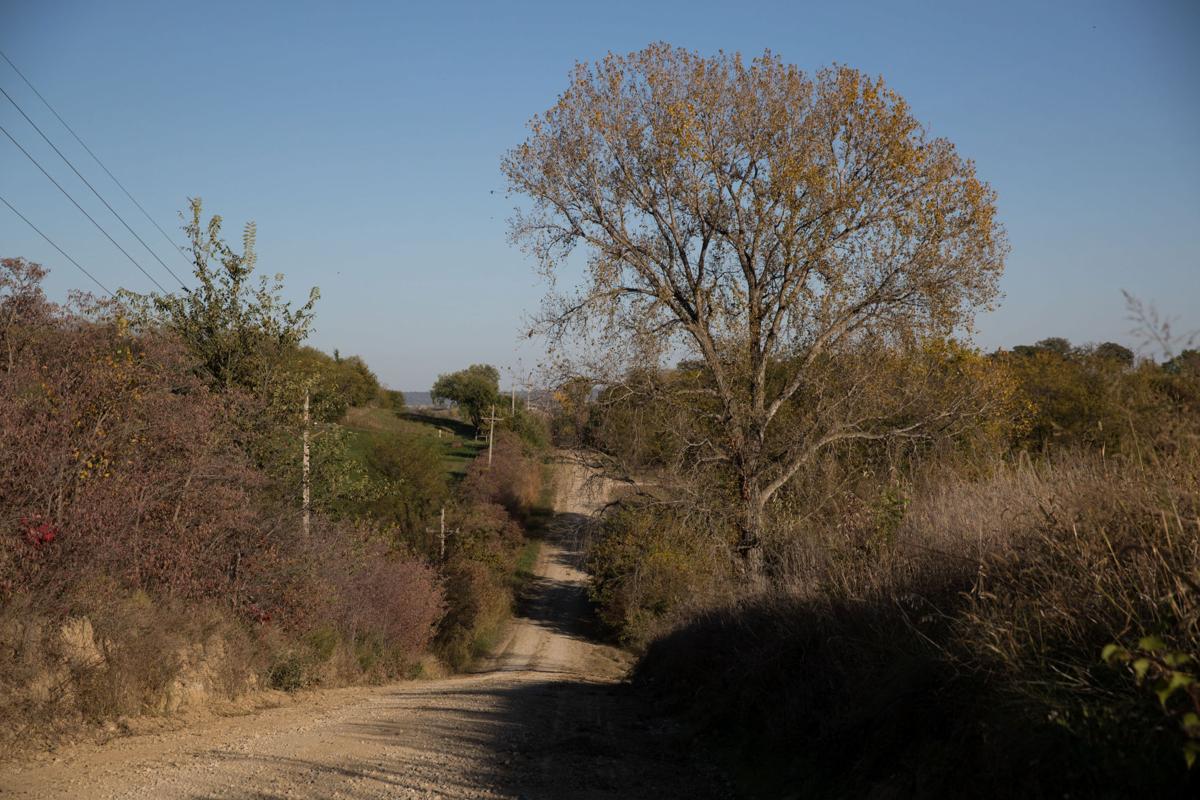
pixel 365 139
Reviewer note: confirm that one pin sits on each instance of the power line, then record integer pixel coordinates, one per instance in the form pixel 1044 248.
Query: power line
pixel 95 157
pixel 56 247
pixel 83 211
pixel 87 183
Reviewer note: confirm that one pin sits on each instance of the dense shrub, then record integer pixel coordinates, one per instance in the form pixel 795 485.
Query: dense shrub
pixel 336 383
pixel 348 609
pixel 394 399
pixel 1097 397
pixel 392 600
pixel 479 605
pixel 533 427
pixel 648 565
pixel 481 557
pixel 416 486
pixel 142 544
pixel 117 462
pixel 513 479
pixel 483 549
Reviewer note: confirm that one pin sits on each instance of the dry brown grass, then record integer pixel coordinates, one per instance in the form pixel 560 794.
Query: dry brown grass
pixel 964 632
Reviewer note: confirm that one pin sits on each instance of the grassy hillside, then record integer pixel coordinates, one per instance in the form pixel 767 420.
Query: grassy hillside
pixel 455 437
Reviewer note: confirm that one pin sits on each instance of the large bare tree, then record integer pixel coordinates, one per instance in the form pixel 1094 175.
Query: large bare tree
pixel 756 219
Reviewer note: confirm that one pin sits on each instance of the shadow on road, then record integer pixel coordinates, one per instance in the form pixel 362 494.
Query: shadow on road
pixel 561 606
pixel 532 733
pixel 533 739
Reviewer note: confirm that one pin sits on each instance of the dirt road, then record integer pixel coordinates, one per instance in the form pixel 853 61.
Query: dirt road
pixel 546 717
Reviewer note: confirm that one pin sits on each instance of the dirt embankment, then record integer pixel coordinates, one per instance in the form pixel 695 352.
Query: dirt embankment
pixel 545 717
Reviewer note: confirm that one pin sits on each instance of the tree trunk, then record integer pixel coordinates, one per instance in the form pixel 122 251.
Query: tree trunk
pixel 749 547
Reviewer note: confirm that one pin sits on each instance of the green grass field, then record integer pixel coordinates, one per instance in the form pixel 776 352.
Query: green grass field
pixel 455 437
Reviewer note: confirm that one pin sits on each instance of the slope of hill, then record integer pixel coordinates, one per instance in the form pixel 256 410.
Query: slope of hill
pixel 455 437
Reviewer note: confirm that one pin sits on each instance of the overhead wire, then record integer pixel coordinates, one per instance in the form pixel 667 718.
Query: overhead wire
pixel 53 244
pixel 88 183
pixel 83 211
pixel 95 157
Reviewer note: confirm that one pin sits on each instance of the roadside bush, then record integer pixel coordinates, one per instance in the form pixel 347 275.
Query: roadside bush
pixel 416 487
pixel 394 400
pixel 532 427
pixel 484 548
pixel 480 604
pixel 147 559
pixel 346 607
pixel 485 533
pixel 971 640
pixel 514 479
pixel 117 463
pixel 390 600
pixel 481 556
pixel 648 566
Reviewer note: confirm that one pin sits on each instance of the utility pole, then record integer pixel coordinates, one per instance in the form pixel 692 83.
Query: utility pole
pixel 491 433
pixel 513 373
pixel 306 490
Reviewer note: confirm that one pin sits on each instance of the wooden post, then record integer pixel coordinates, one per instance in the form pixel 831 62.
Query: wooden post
pixel 514 399
pixel 306 489
pixel 491 433
pixel 442 537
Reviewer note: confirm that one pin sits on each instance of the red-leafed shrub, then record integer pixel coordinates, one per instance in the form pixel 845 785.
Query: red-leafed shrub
pixel 397 600
pixel 122 462
pixel 130 501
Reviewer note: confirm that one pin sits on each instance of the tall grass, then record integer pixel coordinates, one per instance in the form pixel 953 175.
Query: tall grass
pixel 962 651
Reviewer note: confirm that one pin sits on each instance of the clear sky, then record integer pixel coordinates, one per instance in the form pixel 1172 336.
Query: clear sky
pixel 365 139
